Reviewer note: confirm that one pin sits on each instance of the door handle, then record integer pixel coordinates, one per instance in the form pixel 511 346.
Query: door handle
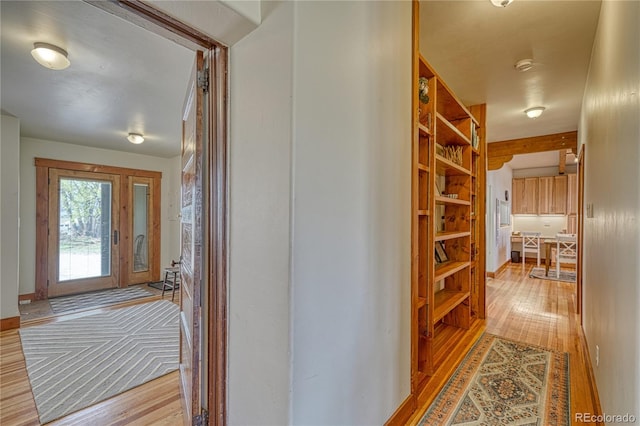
pixel 115 237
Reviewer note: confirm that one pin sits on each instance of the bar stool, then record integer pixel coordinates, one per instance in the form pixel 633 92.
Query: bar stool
pixel 171 280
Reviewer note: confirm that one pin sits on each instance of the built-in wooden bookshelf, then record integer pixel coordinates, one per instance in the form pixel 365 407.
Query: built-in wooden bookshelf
pixel 448 180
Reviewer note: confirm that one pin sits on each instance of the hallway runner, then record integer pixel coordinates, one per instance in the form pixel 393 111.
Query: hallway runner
pixel 96 298
pixel 568 276
pixel 503 382
pixel 79 362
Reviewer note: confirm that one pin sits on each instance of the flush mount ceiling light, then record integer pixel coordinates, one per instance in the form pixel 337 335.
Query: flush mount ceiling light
pixel 501 3
pixel 534 112
pixel 50 56
pixel 524 65
pixel 135 138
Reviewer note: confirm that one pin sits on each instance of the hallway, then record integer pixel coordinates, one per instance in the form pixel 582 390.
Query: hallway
pixel 538 312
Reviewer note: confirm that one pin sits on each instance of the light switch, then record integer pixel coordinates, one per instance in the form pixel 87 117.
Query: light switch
pixel 590 210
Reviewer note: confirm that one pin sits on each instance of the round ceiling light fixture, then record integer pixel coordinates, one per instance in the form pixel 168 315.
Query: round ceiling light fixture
pixel 524 65
pixel 501 3
pixel 50 56
pixel 135 138
pixel 534 112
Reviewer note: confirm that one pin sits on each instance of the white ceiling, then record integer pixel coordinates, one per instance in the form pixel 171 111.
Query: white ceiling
pixel 122 78
pixel 474 46
pixel 125 79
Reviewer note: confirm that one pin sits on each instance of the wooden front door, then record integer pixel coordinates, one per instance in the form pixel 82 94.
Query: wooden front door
pixel 192 258
pixel 83 233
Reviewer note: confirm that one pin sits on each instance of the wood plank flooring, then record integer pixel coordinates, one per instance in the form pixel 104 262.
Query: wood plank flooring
pixel 534 311
pixel 156 402
pixel 539 312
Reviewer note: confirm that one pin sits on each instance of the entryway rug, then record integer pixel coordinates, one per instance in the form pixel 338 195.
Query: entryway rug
pixel 568 276
pixel 503 382
pixel 96 298
pixel 77 363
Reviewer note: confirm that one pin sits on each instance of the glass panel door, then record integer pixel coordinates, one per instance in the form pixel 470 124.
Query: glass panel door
pixel 83 231
pixel 143 231
pixel 140 227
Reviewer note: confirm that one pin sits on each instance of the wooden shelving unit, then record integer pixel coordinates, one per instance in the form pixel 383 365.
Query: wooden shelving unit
pixel 447 220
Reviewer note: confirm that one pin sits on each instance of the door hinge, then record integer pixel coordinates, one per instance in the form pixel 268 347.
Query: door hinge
pixel 202 419
pixel 203 80
pixel 47 283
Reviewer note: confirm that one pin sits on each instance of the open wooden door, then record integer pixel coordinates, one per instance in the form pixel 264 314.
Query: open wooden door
pixel 192 266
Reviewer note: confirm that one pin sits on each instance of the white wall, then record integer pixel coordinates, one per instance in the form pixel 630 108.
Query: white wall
pixel 610 131
pixel 226 21
pixel 31 148
pixel 498 238
pixel 351 293
pixel 9 215
pixel 259 235
pixel 351 246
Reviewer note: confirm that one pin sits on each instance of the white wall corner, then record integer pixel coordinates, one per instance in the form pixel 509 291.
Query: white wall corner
pixel 9 216
pixel 223 20
pixel 250 9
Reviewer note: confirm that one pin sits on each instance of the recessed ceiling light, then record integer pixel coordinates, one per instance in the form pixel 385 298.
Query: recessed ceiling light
pixel 50 56
pixel 135 138
pixel 534 112
pixel 524 65
pixel 501 3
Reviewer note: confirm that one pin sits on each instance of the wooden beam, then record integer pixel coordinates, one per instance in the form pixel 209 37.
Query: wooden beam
pixel 567 140
pixel 496 163
pixel 562 161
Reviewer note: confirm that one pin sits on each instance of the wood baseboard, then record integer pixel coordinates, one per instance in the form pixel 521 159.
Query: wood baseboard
pixel 403 413
pixel 29 296
pixel 500 269
pixel 9 323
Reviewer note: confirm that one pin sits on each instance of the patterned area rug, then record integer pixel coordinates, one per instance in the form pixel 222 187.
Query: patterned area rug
pixel 96 298
pixel 502 382
pixel 568 276
pixel 76 363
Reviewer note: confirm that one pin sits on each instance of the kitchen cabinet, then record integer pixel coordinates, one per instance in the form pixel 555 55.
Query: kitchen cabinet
pixel 524 195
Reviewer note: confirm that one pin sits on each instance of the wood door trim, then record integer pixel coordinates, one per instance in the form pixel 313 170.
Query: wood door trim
pixel 580 215
pixel 43 165
pixel 217 238
pixel 42 227
pixel 95 168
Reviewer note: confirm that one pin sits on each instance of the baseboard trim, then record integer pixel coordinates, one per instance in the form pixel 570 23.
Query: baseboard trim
pixel 9 323
pixel 403 413
pixel 29 296
pixel 500 269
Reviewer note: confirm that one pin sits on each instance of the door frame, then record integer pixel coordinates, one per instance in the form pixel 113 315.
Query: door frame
pixel 43 165
pixel 579 260
pixel 214 297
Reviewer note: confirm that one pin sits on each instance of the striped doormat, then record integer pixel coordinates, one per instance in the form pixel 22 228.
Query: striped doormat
pixel 96 298
pixel 79 362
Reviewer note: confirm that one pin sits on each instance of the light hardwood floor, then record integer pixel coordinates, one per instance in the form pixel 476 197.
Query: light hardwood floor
pixel 539 312
pixel 534 311
pixel 156 402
